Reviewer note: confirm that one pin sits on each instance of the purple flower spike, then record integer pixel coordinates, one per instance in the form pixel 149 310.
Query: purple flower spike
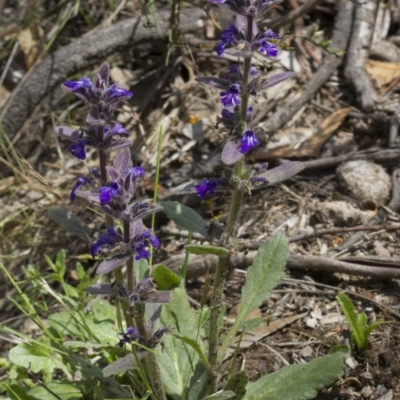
pixel 268 49
pixel 78 149
pixel 209 185
pixel 110 238
pixel 80 182
pixel 230 97
pixel 248 141
pixel 108 192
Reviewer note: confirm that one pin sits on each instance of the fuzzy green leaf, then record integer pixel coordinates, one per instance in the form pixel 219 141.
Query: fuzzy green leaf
pixel 370 328
pixel 262 276
pixel 180 366
pixel 201 249
pixel 36 358
pixel 165 279
pixel 70 222
pixel 298 382
pixel 185 217
pixel 64 391
pixel 222 395
pixel 237 383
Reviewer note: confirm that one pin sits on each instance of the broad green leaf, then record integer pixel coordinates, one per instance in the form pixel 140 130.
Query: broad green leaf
pixel 263 275
pixel 36 358
pixel 180 365
pixel 70 222
pixel 85 345
pixel 185 217
pixel 122 365
pixel 201 249
pixel 298 382
pixel 64 391
pixel 165 279
pixel 222 395
pixel 350 313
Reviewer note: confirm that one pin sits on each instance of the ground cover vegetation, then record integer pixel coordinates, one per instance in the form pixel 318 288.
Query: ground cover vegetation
pixel 198 201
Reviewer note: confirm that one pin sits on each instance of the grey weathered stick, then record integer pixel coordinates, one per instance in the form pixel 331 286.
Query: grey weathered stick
pixel 328 67
pixel 358 52
pixel 75 57
pixel 199 265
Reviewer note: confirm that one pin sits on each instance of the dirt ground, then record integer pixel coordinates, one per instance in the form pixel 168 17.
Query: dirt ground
pixel 331 119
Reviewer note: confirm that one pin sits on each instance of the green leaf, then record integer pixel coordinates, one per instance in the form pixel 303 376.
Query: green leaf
pixel 298 382
pixel 122 365
pixel 237 383
pixel 221 395
pixel 86 345
pixel 64 391
pixel 350 313
pixel 141 269
pixel 371 327
pixel 165 279
pixel 185 217
pixel 195 346
pixel 36 358
pixel 180 366
pixel 70 222
pixel 16 392
pixel 263 275
pixel 201 249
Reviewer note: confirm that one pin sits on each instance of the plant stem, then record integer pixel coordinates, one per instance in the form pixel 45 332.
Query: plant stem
pixel 130 269
pixel 230 232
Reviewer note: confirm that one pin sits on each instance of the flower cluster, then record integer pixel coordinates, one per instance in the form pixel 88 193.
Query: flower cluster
pixel 112 188
pixel 241 39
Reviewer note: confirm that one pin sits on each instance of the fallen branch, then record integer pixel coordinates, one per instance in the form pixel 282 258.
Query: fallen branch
pixel 77 56
pixel 200 265
pixel 328 67
pixel 358 52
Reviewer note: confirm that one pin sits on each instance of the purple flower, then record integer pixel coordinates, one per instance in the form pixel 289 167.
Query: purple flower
pixel 130 335
pixel 108 192
pixel 78 149
pixel 116 94
pixel 143 241
pixel 137 171
pixel 80 182
pixel 209 185
pixel 230 97
pixel 111 237
pixel 248 141
pixel 116 130
pixel 229 36
pixel 264 46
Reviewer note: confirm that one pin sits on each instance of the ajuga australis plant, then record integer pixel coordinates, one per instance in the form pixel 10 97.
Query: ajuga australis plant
pixel 152 308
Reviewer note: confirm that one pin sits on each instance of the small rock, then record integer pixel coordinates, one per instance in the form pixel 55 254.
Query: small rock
pixel 366 392
pixel 306 352
pixel 342 213
pixel 365 181
pixel 367 376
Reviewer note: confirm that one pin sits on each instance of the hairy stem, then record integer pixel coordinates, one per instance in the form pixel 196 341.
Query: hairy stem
pixel 230 232
pixel 130 269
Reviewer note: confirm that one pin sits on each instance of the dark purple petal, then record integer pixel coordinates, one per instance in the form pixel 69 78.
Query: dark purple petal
pixel 106 193
pixel 248 141
pixel 230 97
pixel 73 86
pixel 81 181
pixel 137 171
pixel 78 149
pixel 269 34
pixel 115 94
pixel 209 185
pixel 268 49
pixel 111 237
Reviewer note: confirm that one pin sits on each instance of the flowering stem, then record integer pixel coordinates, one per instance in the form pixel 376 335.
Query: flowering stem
pixel 230 231
pixel 130 270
